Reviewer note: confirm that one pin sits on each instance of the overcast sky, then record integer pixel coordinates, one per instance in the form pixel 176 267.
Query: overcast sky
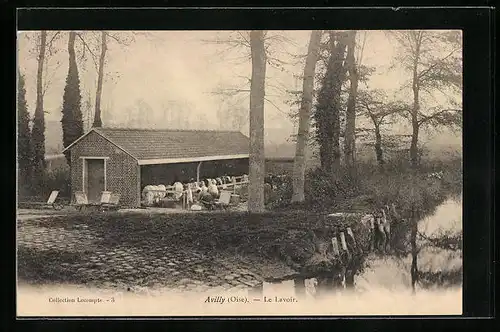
pixel 181 66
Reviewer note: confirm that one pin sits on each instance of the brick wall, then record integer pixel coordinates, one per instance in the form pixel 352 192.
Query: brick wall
pixel 121 169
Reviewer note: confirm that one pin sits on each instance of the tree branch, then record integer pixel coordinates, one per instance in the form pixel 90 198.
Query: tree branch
pixel 437 63
pixel 427 118
pixel 94 57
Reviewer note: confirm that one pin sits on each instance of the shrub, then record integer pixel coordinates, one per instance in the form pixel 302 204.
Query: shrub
pixel 57 179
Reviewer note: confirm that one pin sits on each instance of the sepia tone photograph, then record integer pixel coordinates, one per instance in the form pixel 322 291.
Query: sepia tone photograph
pixel 239 173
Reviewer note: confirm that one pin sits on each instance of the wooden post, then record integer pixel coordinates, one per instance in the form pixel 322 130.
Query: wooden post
pixel 138 184
pixel 335 245
pixel 343 242
pixel 198 172
pixel 351 235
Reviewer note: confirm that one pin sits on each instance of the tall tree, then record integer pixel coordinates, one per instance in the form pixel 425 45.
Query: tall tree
pixel 328 107
pixel 97 47
pixel 373 105
pixel 100 78
pixel 433 60
pixel 23 134
pixel 72 121
pixel 38 131
pixel 350 125
pixel 299 166
pixel 257 94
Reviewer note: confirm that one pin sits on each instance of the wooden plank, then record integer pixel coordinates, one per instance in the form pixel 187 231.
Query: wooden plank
pixel 351 235
pixel 343 242
pixel 335 245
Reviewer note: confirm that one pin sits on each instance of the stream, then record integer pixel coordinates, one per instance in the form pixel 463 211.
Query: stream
pixel 387 279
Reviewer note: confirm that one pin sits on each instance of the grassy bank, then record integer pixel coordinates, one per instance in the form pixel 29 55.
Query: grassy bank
pixel 290 237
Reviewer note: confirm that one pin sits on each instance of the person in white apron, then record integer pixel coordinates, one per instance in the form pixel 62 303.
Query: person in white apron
pixel 179 188
pixel 213 190
pixel 189 194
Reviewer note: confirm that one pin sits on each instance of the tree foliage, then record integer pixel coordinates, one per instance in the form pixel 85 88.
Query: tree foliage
pixel 434 63
pixel 23 133
pixel 38 130
pixel 328 107
pixel 375 106
pixel 72 122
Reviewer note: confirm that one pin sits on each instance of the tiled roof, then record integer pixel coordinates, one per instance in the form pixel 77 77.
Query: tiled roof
pixel 162 144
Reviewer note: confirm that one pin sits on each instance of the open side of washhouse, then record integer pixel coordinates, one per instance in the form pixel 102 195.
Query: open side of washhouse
pixel 124 160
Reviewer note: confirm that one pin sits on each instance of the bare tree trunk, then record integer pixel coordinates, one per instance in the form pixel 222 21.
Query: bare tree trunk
pixel 414 250
pixel 38 131
pixel 416 105
pixel 414 123
pixel 100 76
pixel 378 146
pixel 327 112
pixel 299 166
pixel 340 72
pixel 350 140
pixel 257 94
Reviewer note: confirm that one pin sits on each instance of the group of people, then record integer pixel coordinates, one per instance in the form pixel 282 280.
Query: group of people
pixel 205 191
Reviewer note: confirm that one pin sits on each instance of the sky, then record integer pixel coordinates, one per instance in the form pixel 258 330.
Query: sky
pixel 184 67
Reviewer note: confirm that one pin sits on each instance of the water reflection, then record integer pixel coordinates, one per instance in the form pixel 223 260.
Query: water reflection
pixel 446 218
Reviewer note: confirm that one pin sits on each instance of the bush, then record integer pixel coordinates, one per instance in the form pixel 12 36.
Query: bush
pixel 57 179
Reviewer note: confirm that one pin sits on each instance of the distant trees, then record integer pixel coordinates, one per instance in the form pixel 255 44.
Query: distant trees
pixel 257 95
pixel 231 113
pixel 72 122
pixel 97 44
pixel 306 102
pixel 23 134
pixel 373 104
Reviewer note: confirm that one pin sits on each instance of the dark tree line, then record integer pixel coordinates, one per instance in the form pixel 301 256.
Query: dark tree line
pixel 31 138
pixel 24 135
pixel 328 107
pixel 72 123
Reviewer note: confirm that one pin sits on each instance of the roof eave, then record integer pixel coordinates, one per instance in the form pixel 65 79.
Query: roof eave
pixel 160 161
pixel 103 136
pixel 77 140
